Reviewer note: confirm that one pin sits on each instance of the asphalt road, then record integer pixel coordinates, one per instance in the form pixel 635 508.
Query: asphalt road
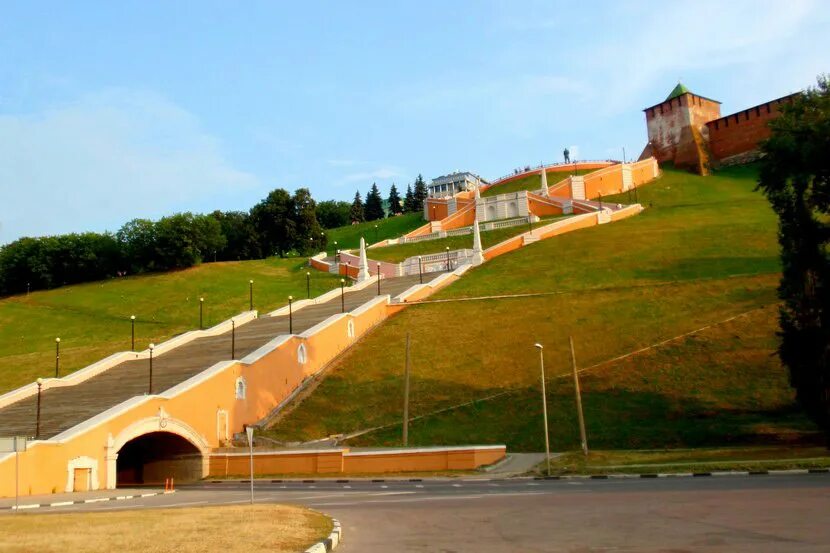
pixel 773 513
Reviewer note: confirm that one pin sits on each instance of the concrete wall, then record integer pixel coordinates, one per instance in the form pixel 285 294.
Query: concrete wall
pixel 333 461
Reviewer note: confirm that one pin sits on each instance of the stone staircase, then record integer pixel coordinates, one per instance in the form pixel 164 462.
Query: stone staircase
pixel 65 407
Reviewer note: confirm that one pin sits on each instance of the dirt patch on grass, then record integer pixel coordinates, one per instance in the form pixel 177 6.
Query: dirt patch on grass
pixel 230 529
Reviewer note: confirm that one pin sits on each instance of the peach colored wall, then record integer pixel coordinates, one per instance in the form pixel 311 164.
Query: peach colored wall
pixel 461 218
pixel 542 208
pixel 319 265
pixel 341 460
pixel 420 231
pixel 604 182
pixel 437 209
pixel 563 168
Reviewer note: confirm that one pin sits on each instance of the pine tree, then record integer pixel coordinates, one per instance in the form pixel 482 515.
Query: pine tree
pixel 409 200
pixel 356 213
pixel 395 206
pixel 420 193
pixel 795 177
pixel 374 204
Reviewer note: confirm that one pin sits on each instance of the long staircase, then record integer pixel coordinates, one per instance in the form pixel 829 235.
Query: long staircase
pixel 64 407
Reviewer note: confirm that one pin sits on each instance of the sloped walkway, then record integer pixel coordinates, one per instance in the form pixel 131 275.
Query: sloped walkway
pixel 63 408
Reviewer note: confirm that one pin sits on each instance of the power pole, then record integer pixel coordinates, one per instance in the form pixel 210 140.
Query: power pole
pixel 406 396
pixel 582 435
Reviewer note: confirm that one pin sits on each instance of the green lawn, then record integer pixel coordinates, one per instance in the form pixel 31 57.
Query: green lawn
pixel 348 237
pixel 92 319
pixel 703 250
pixel 531 182
pixel 399 252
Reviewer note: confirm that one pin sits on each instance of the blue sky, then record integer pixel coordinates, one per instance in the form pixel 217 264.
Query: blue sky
pixel 116 110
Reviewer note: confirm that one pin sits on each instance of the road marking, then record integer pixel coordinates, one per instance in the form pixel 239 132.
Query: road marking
pixel 347 487
pixel 384 487
pixel 456 485
pixel 61 503
pixel 184 503
pixel 419 485
pixel 421 499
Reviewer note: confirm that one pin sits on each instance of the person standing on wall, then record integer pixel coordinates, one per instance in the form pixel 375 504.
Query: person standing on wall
pixel 567 155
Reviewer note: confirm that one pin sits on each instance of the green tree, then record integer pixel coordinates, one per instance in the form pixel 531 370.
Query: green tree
pixel 409 200
pixel 374 205
pixel 137 239
pixel 395 206
pixel 273 219
pixel 795 177
pixel 356 212
pixel 419 194
pixel 333 214
pixel 241 241
pixel 308 233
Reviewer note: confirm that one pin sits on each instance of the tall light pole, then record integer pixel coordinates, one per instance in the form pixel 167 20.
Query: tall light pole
pixel 420 270
pixel 201 310
pixel 290 315
pixel 132 332
pixel 308 285
pixel 249 431
pixel 376 234
pixel 544 404
pixel 342 296
pixel 57 356
pixel 37 420
pixel 250 295
pixel 233 338
pixel 150 386
pixel 448 259
pixel 378 279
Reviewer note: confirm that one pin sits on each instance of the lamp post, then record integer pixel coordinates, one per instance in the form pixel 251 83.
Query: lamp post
pixel 37 420
pixel 290 315
pixel 308 285
pixel 376 234
pixel 201 310
pixel 150 386
pixel 132 332
pixel 378 279
pixel 544 405
pixel 342 296
pixel 600 201
pixel 233 338
pixel 448 259
pixel 250 295
pixel 420 270
pixel 57 356
pixel 249 431
pixel 336 251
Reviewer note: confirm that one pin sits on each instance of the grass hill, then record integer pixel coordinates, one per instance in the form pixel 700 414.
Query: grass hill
pixel 531 182
pixel 702 254
pixel 348 237
pixel 93 320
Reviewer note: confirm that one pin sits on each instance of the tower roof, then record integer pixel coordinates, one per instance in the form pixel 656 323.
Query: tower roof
pixel 679 90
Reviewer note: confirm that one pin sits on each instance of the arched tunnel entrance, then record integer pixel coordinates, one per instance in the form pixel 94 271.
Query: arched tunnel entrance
pixel 154 457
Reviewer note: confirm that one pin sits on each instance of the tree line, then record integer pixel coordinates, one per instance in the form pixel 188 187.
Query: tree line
pixel 281 224
pixel 333 214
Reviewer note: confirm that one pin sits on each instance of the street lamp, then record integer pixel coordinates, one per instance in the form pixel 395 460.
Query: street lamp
pixel 600 201
pixel 233 338
pixel 337 255
pixel 378 279
pixel 308 284
pixel 57 356
pixel 201 310
pixel 290 315
pixel 544 405
pixel 420 270
pixel 37 420
pixel 448 259
pixel 132 332
pixel 342 296
pixel 150 387
pixel 376 233
pixel 250 295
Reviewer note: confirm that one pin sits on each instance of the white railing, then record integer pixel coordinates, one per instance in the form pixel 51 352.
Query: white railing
pixel 436 262
pixel 547 166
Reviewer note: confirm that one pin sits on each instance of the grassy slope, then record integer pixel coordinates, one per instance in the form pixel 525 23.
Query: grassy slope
pixel 703 251
pixel 349 236
pixel 489 238
pixel 531 182
pixel 92 319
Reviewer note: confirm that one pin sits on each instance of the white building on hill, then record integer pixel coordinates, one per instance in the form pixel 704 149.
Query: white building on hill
pixel 451 184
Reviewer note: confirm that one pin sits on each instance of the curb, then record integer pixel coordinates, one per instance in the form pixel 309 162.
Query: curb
pixel 684 474
pixel 330 542
pixel 80 501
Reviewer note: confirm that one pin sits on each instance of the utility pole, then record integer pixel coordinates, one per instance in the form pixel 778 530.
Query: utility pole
pixel 544 404
pixel 406 396
pixel 582 435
